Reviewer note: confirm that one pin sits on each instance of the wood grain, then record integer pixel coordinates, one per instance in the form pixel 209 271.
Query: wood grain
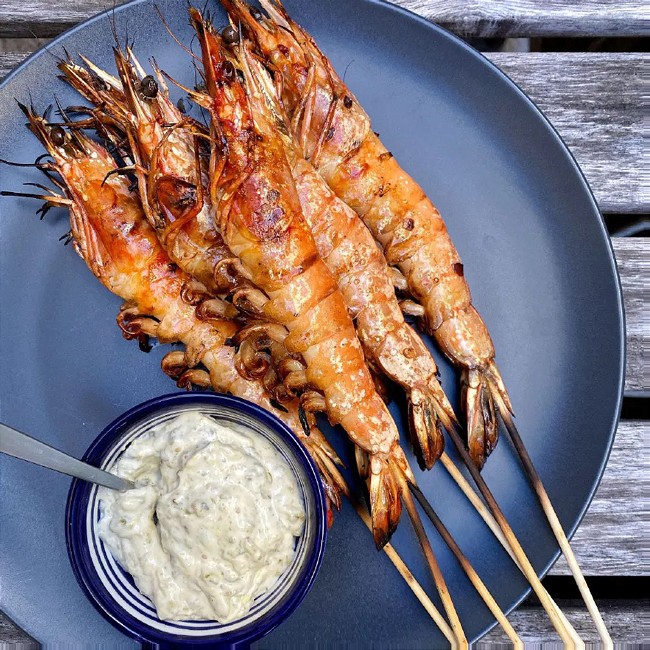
pixel 626 620
pixel 485 18
pixel 12 636
pixel 633 259
pixel 9 60
pixel 595 103
pixel 47 18
pixel 610 541
pixel 489 18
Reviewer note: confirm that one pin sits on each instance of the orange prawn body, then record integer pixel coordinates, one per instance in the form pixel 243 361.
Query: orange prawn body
pixel 111 234
pixel 354 259
pixel 336 137
pixel 164 147
pixel 261 220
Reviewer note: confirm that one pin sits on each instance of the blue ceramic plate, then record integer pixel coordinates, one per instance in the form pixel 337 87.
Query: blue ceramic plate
pixel 536 255
pixel 113 591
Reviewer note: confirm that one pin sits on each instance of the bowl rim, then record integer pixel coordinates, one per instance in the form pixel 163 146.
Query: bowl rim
pixel 78 501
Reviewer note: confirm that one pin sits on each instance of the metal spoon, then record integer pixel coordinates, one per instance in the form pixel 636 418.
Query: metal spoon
pixel 20 445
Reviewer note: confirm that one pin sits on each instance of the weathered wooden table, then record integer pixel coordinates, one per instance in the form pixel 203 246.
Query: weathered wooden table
pixel 596 103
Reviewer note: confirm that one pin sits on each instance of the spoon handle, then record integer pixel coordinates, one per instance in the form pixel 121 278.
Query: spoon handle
pixel 20 445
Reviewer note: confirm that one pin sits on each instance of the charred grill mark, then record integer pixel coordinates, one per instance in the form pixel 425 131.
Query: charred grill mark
pixel 303 420
pixel 309 262
pixel 458 269
pixel 277 405
pixel 408 224
pixel 356 145
pixel 347 101
pixel 384 188
pixel 176 195
pixel 387 155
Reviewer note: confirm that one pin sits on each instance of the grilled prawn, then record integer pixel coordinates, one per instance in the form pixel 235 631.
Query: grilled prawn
pixel 351 254
pixel 165 148
pixel 336 137
pixel 262 223
pixel 112 236
pixel 172 182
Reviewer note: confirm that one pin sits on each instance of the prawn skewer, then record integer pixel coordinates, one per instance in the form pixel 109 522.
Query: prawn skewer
pixel 112 236
pixel 164 146
pixel 342 240
pixel 336 137
pixel 261 221
pixel 115 229
pixel 349 251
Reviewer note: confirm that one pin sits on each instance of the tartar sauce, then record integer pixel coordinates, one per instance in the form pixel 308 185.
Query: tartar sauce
pixel 212 522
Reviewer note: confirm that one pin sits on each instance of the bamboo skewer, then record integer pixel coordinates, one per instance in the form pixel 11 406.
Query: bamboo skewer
pixel 560 623
pixel 479 585
pixel 491 523
pixel 438 578
pixel 410 580
pixel 556 527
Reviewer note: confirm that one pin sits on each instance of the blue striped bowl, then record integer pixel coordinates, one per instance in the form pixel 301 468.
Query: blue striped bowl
pixel 112 590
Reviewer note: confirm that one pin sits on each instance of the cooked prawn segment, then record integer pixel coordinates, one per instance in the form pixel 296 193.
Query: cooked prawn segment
pixel 351 254
pixel 111 234
pixel 261 221
pixel 166 148
pixel 336 137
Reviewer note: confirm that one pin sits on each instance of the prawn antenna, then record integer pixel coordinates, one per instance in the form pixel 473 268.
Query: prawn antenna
pixel 171 33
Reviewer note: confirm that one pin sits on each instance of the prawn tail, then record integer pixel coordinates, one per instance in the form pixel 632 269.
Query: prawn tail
pixel 427 418
pixel 499 392
pixel 484 398
pixel 327 460
pixel 385 485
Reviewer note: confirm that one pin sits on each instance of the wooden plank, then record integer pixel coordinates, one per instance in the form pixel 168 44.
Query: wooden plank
pixel 595 103
pixel 9 60
pixel 611 539
pixel 489 18
pixel 46 18
pixel 626 620
pixel 633 259
pixel 484 18
pixel 12 636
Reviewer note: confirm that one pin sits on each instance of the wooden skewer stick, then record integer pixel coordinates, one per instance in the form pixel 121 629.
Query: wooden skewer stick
pixel 438 578
pixel 479 585
pixel 410 580
pixel 490 521
pixel 555 525
pixel 561 625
